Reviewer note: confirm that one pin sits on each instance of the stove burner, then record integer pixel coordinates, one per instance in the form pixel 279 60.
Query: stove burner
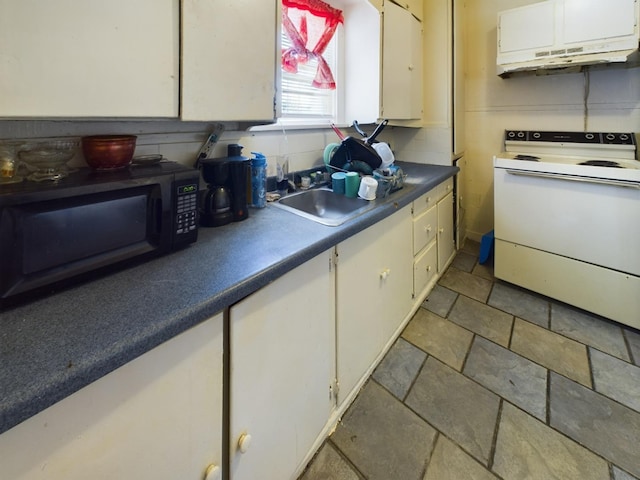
pixel 530 158
pixel 601 163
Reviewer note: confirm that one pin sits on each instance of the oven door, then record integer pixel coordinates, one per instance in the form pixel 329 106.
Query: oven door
pixel 571 239
pixel 48 241
pixel 592 220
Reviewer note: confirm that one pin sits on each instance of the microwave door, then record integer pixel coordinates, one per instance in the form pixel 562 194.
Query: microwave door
pixel 59 239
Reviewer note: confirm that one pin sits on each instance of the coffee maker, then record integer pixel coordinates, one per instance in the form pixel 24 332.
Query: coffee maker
pixel 225 199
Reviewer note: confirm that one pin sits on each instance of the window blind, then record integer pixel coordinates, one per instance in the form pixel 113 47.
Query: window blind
pixel 299 98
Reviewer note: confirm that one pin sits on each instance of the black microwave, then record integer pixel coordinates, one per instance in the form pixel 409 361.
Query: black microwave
pixel 53 231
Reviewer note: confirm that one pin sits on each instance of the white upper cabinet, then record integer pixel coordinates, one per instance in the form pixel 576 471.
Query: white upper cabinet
pixel 595 20
pixel 401 64
pixel 444 84
pixel 79 58
pixel 229 59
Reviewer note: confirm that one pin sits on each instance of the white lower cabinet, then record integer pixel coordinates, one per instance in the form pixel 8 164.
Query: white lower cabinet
pixel 282 348
pixel 159 416
pixel 373 290
pixel 433 237
pixel 446 240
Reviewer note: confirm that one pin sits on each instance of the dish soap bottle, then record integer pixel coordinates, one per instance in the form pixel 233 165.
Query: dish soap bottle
pixel 258 180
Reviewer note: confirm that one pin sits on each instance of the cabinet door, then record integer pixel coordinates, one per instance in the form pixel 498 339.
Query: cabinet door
pixel 401 64
pixel 537 20
pixel 446 241
pixel 229 58
pixel 374 285
pixel 282 346
pixel 71 58
pixel 159 416
pixel 594 21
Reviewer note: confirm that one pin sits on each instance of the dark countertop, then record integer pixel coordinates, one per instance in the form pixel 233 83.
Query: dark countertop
pixel 53 346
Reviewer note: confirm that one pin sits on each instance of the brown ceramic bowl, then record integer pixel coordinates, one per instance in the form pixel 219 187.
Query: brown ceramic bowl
pixel 108 152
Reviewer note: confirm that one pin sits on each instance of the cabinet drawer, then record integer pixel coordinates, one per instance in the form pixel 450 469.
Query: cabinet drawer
pixel 425 228
pixel 425 202
pixel 425 267
pixel 429 199
pixel 445 188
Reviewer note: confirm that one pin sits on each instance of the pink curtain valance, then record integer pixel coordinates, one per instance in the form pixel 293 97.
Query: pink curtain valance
pixel 310 25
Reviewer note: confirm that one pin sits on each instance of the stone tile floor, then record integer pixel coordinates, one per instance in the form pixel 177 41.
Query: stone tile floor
pixel 490 381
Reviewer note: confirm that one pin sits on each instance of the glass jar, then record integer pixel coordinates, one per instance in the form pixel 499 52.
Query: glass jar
pixel 8 163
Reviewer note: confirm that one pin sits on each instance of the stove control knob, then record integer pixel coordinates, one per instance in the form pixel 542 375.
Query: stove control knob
pixel 536 135
pixel 610 136
pixel 589 136
pixel 520 134
pixel 511 134
pixel 624 137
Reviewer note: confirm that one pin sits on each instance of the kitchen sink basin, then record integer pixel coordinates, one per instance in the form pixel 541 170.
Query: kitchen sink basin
pixel 323 206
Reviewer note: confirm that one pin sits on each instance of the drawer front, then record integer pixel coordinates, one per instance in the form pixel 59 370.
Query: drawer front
pixel 429 199
pixel 425 267
pixel 425 228
pixel 425 202
pixel 445 188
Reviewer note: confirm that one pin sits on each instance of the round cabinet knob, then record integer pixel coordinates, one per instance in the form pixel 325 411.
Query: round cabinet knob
pixel 385 273
pixel 427 229
pixel 244 442
pixel 213 472
pixel 410 67
pixel 441 230
pixel 429 268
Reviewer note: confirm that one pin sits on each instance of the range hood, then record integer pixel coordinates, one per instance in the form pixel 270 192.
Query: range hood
pixel 565 35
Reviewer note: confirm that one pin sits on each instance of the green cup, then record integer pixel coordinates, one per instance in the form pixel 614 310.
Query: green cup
pixel 351 184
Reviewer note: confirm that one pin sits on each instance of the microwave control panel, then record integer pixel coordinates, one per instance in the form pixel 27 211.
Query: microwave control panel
pixel 186 211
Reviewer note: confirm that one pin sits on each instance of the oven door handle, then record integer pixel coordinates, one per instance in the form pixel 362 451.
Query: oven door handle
pixel 575 178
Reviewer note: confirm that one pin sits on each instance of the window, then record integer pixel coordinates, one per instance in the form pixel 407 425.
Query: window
pixel 309 60
pixel 300 99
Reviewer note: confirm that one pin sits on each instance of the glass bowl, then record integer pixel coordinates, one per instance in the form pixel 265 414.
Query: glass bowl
pixel 48 158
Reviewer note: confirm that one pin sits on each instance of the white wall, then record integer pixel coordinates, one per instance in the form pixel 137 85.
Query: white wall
pixel 544 102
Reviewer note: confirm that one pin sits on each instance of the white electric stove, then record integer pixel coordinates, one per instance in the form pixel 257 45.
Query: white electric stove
pixel 567 219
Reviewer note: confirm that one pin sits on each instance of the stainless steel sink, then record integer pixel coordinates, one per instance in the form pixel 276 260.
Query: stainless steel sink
pixel 323 206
